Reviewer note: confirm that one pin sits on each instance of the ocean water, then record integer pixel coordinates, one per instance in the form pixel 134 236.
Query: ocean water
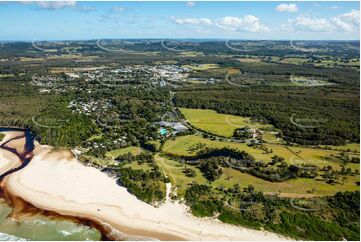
pixel 40 227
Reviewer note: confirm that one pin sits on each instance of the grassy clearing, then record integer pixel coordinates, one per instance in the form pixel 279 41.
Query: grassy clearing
pixel 302 80
pixel 174 171
pixel 131 149
pixel 95 137
pixel 6 75
pixel 300 187
pixel 136 166
pixel 201 67
pixel 232 71
pixel 249 60
pixel 354 147
pixel 330 63
pixel 293 60
pixel 189 54
pixel 216 123
pixel 181 146
pixel 293 188
pixel 99 161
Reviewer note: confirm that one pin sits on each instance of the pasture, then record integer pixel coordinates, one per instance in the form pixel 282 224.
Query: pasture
pixel 297 155
pixel 174 171
pixel 300 187
pixel 201 67
pixel 136 166
pixel 134 150
pixel 217 123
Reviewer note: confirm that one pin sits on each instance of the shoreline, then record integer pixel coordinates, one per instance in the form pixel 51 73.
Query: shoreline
pixel 56 181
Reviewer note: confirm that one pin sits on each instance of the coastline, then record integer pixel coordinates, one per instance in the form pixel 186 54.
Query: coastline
pixel 56 181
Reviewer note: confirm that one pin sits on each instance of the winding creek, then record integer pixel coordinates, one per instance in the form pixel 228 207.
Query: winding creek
pixel 20 220
pixel 26 156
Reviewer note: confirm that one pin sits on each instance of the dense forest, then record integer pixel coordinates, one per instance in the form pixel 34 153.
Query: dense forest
pixel 321 109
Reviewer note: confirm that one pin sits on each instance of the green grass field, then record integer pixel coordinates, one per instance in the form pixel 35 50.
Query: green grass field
pixel 300 187
pixel 131 149
pixel 216 123
pixel 316 156
pixel 99 161
pixel 174 170
pixel 135 166
pixel 201 67
pixel 95 137
pixel 293 60
pixel 293 188
pixel 354 147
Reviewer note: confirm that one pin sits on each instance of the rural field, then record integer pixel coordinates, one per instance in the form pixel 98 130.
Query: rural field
pixel 294 188
pixel 300 187
pixel 182 146
pixel 131 149
pixel 216 123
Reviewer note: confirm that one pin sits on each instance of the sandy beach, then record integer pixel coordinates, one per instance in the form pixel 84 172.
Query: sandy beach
pixel 56 181
pixel 9 160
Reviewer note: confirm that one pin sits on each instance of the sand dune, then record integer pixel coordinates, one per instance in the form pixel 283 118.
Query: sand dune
pixel 55 181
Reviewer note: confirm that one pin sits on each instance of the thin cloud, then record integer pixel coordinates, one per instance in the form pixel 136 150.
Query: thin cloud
pixel 284 7
pixel 55 4
pixel 117 9
pixel 190 4
pixel 347 22
pixel 193 21
pixel 86 9
pixel 248 23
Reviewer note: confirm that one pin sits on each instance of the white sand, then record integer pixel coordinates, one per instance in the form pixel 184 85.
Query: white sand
pixel 66 186
pixel 10 135
pixel 8 161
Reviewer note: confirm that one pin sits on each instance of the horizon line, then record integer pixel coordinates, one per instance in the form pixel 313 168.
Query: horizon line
pixel 156 38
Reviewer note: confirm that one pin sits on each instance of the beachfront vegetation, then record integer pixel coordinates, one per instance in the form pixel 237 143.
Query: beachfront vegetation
pixel 328 218
pixel 142 177
pixel 146 185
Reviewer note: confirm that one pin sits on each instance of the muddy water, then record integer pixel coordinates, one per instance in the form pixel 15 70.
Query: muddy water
pixel 40 227
pixel 21 221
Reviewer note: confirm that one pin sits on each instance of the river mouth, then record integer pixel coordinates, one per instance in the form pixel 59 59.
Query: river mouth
pixel 24 221
pixel 20 220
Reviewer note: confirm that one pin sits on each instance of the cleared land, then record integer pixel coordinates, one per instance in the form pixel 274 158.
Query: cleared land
pixel 184 146
pixel 174 171
pixel 136 166
pixel 201 67
pixel 131 149
pixel 216 123
pixel 301 187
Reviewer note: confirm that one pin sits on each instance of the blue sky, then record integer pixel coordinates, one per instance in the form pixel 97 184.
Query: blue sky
pixel 226 20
